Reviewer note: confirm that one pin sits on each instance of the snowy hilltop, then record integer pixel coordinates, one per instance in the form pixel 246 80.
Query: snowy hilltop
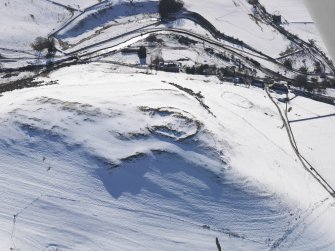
pixel 165 125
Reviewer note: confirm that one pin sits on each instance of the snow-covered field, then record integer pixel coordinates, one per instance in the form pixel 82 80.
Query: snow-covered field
pixel 223 15
pixel 78 4
pixel 21 25
pixel 313 124
pixel 35 20
pixel 126 161
pixel 299 20
pixel 108 157
pixel 292 10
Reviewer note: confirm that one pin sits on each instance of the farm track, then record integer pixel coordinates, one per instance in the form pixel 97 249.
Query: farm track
pixel 307 166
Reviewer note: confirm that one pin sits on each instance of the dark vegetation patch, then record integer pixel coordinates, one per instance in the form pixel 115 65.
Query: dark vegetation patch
pixel 167 7
pixel 185 40
pixel 24 83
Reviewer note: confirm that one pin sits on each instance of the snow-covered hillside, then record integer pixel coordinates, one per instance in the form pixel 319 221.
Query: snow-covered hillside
pixel 22 21
pixel 223 15
pixel 105 161
pixel 298 17
pixel 106 151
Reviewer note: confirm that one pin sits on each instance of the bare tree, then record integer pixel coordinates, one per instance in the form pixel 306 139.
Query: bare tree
pixel 167 7
pixel 42 43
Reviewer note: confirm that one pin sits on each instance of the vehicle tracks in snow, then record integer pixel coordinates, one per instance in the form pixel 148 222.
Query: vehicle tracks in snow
pixel 299 226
